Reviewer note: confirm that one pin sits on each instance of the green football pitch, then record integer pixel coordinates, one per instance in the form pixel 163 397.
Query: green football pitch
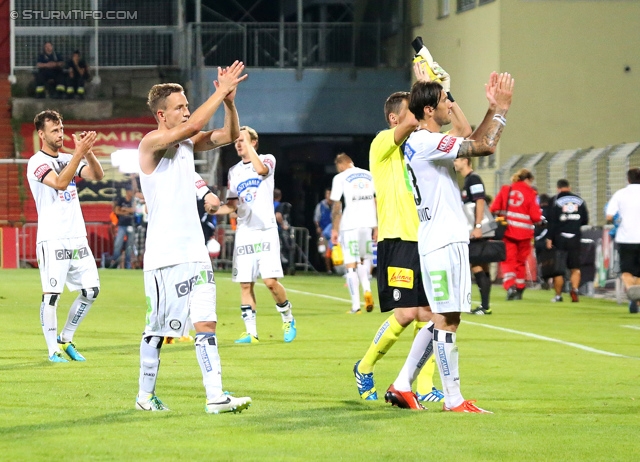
pixel 563 381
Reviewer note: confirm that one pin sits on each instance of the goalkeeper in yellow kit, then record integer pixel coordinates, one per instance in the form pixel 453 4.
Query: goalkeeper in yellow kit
pixel 400 285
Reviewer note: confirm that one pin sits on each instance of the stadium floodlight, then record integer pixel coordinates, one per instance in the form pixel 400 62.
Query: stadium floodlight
pixel 126 160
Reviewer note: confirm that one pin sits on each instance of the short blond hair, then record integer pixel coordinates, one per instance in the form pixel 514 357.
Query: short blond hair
pixel 158 95
pixel 343 158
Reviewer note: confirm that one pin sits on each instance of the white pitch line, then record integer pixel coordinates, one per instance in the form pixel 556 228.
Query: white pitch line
pixel 632 327
pixel 554 340
pixel 504 329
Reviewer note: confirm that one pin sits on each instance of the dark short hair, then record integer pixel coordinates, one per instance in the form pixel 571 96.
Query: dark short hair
pixel 158 95
pixel 545 199
pixel 277 194
pixel 562 183
pixel 424 94
pixel 633 175
pixel 393 103
pixel 48 114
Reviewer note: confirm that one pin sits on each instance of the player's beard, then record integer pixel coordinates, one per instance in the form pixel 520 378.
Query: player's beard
pixel 54 145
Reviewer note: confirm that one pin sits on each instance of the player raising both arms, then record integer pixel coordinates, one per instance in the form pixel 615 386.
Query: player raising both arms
pixel 63 252
pixel 442 236
pixel 178 276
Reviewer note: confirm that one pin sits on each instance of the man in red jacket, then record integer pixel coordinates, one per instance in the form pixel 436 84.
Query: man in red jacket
pixel 517 203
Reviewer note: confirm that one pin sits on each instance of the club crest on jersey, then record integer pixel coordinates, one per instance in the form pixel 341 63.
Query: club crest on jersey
pixel 446 143
pixel 409 152
pixel 203 277
pixel 67 196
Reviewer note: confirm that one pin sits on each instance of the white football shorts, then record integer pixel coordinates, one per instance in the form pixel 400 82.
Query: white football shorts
pixel 446 275
pixel 256 252
pixel 176 292
pixel 356 244
pixel 67 261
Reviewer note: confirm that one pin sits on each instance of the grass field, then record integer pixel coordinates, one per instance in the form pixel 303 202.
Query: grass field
pixel 562 379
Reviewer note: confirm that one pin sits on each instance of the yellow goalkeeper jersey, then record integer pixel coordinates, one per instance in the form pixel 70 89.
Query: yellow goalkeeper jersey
pixel 397 215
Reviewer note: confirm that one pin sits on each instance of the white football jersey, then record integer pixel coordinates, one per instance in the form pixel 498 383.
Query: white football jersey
pixel 429 159
pixel 59 213
pixel 174 233
pixel 356 185
pixel 254 193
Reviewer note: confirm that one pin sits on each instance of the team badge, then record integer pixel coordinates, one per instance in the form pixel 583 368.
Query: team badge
pixel 396 294
pixel 53 282
pixel 175 324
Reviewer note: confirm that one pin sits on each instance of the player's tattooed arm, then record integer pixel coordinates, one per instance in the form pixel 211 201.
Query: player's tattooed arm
pixel 486 145
pixel 484 140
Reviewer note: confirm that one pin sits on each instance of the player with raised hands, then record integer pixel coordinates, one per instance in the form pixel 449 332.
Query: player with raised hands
pixel 442 235
pixel 63 252
pixel 178 276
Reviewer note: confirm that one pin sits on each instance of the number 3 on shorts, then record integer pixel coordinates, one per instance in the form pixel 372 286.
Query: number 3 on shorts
pixel 440 284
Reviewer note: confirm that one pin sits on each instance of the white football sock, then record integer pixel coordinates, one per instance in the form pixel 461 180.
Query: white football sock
pixel 209 360
pixel 285 311
pixel 49 321
pixel 249 318
pixel 446 352
pixel 149 365
pixel 354 288
pixel 77 312
pixel 421 350
pixel 363 275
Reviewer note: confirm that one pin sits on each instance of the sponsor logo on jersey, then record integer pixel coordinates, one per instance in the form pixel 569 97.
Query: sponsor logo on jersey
pixel 250 183
pixel 400 277
pixel 446 144
pixel 42 171
pixel 185 287
pixel 355 176
pixel 364 197
pixel 269 163
pixel 72 254
pixel 200 184
pixel 253 248
pixel 67 195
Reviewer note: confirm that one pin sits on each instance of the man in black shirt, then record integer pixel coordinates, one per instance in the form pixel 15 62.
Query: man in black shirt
pixel 567 213
pixel 49 69
pixel 473 191
pixel 78 74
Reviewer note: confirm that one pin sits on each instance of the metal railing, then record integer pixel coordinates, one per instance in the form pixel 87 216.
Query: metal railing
pixel 279 44
pixel 99 236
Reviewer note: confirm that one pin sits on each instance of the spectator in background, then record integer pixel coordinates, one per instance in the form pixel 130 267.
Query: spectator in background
pixel 124 209
pixel 625 203
pixel 78 75
pixel 141 219
pixel 518 203
pixel 540 232
pixel 567 213
pixel 322 220
pixel 49 73
pixel 282 211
